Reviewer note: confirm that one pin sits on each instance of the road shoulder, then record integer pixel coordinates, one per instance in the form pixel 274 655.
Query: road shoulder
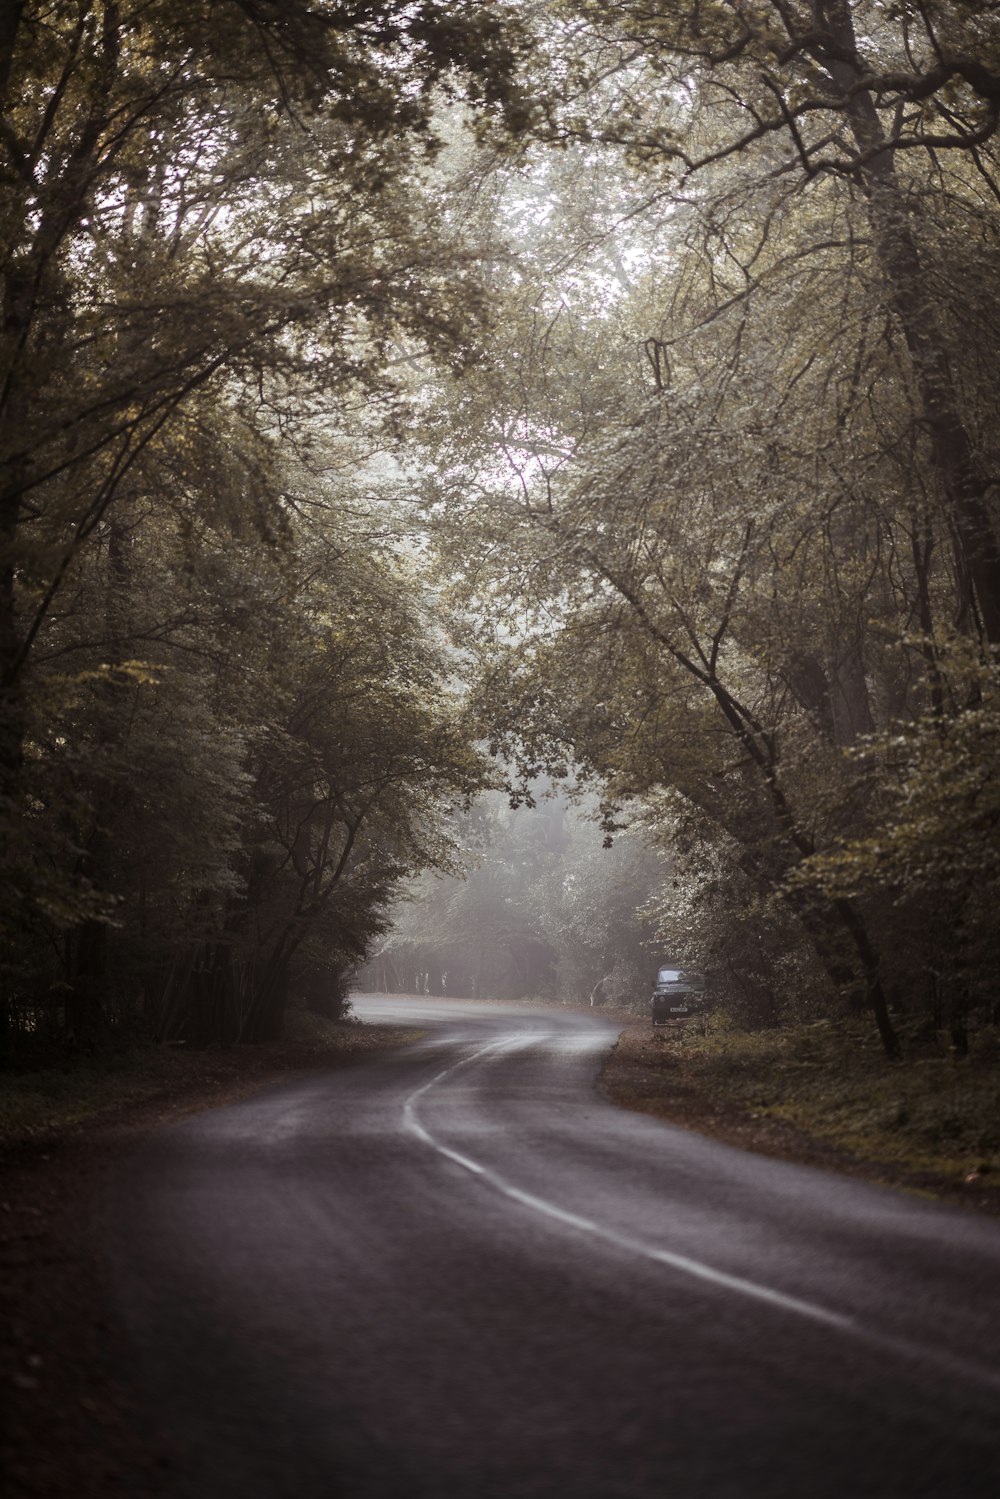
pixel 657 1074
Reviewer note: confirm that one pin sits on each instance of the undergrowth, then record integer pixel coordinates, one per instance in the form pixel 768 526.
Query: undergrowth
pixel 934 1111
pixel 70 1089
pixel 76 1088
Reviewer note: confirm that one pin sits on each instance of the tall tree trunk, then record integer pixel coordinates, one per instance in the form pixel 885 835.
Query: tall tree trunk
pixel 965 485
pixel 12 724
pixel 856 927
pixel 85 1011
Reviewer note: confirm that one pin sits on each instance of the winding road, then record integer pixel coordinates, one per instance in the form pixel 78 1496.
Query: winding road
pixel 455 1272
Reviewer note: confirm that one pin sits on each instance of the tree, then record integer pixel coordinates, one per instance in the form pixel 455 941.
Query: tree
pixel 235 812
pixel 728 479
pixel 200 198
pixel 217 219
pixel 877 100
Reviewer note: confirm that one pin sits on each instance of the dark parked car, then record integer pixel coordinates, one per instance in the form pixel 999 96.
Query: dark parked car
pixel 679 994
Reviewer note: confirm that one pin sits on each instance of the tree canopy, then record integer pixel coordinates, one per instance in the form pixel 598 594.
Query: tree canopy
pixel 730 474
pixel 611 387
pixel 226 724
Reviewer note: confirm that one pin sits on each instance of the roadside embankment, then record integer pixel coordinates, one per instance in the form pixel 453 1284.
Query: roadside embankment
pixel 824 1095
pixel 157 1083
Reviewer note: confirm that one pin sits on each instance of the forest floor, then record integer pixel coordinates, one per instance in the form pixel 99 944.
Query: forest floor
pixel 66 1425
pixel 825 1096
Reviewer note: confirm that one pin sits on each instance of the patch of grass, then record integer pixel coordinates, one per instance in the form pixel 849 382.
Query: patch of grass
pixel 932 1115
pixel 76 1089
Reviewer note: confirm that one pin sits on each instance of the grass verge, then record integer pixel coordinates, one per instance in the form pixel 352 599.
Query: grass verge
pixel 825 1095
pixel 78 1090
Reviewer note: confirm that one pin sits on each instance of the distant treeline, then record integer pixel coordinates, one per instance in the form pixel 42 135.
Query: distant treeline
pixel 544 912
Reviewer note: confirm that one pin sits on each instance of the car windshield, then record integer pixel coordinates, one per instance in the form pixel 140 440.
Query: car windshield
pixel 668 976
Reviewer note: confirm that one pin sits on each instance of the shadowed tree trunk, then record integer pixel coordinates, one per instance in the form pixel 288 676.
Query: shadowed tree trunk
pixel 965 485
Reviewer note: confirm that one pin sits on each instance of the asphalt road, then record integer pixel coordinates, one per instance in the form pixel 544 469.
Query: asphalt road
pixel 454 1272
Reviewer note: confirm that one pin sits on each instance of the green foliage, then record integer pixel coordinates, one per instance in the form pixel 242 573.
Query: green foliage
pixel 935 1114
pixel 726 491
pixel 935 826
pixel 697 383
pixel 226 733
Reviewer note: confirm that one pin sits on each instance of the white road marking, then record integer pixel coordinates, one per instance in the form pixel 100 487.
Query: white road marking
pixel 902 1348
pixel 548 1209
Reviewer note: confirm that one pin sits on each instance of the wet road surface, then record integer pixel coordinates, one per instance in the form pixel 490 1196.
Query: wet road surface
pixel 454 1272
